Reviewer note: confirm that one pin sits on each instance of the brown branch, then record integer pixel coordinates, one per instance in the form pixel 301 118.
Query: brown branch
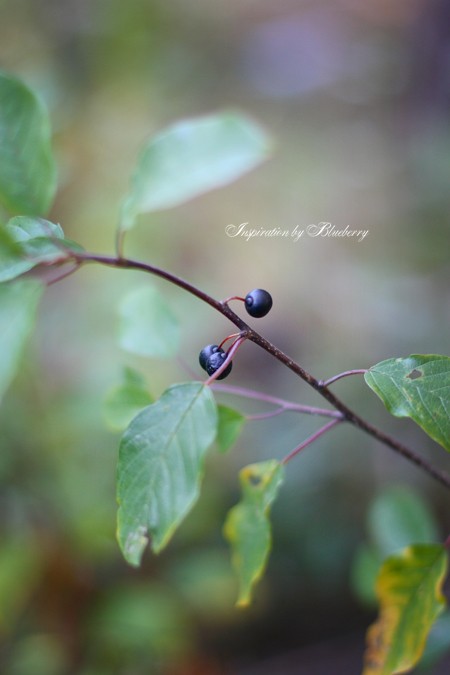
pixel 249 333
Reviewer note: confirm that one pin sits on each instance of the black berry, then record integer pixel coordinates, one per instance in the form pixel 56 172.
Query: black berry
pixel 215 361
pixel 258 303
pixel 206 353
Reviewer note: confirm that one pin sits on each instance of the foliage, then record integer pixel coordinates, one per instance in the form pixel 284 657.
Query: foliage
pixel 416 387
pixel 163 448
pixel 247 526
pixel 27 169
pixel 409 588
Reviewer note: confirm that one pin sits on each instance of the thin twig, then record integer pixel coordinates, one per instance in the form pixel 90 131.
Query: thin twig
pixel 304 444
pixel 347 373
pixel 283 405
pixel 63 275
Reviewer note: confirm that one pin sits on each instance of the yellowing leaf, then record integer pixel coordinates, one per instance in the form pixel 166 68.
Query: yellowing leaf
pixel 409 590
pixel 247 526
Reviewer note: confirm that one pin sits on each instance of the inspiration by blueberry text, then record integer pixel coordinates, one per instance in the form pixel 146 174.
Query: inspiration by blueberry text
pixel 322 229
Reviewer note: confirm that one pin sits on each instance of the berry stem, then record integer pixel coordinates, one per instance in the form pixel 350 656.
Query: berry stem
pixel 229 337
pixel 317 434
pixel 233 297
pixel 232 351
pixel 249 333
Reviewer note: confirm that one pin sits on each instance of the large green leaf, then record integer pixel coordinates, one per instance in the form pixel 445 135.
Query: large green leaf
pixel 33 244
pixel 147 326
pixel 27 168
pixel 247 526
pixel 160 466
pixel 18 304
pixel 417 387
pixel 409 589
pixel 192 157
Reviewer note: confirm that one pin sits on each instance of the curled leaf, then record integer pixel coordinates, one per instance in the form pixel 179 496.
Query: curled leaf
pixel 247 526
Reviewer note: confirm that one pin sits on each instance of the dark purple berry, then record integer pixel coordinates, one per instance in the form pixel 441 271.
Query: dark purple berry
pixel 215 361
pixel 258 303
pixel 206 353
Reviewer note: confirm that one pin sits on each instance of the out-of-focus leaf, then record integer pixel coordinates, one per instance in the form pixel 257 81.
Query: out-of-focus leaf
pixel 18 304
pixel 140 618
pixel 365 568
pixel 30 245
pixel 247 526
pixel 124 401
pixel 397 518
pixel 192 157
pixel 147 325
pixel 230 426
pixel 160 466
pixel 409 589
pixel 27 167
pixel 417 387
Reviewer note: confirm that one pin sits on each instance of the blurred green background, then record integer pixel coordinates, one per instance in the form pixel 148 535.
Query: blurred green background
pixel 357 98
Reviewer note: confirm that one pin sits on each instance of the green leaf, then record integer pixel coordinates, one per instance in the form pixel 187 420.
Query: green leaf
pixel 32 240
pixel 417 387
pixel 27 168
pixel 247 526
pixel 160 466
pixel 147 325
pixel 399 517
pixel 18 304
pixel 192 157
pixel 409 588
pixel 125 400
pixel 230 426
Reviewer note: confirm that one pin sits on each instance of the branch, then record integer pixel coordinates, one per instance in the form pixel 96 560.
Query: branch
pixel 250 334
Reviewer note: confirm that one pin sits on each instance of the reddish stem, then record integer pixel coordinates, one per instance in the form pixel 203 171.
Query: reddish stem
pixel 230 354
pixel 283 405
pixel 229 337
pixel 347 373
pixel 317 434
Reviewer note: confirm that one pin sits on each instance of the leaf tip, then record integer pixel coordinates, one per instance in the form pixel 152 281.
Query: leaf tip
pixel 134 545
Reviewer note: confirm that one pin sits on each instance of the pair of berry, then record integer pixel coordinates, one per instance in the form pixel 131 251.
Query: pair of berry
pixel 257 303
pixel 211 358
